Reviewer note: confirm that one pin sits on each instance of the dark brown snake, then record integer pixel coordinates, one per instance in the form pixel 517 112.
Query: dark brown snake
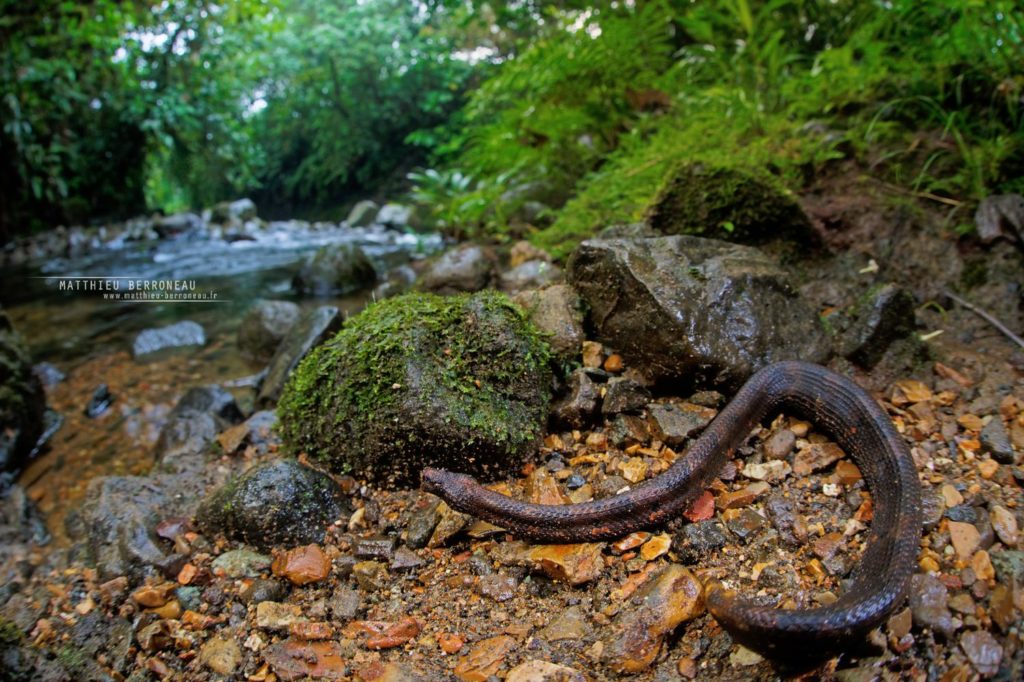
pixel 834 404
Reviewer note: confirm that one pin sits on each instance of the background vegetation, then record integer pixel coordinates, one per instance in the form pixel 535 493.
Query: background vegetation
pixel 545 119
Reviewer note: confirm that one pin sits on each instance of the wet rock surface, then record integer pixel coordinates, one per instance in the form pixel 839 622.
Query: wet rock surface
pixel 311 329
pixel 265 326
pixel 557 311
pixel 465 268
pixel 279 502
pixel 180 335
pixel 336 269
pixel 694 308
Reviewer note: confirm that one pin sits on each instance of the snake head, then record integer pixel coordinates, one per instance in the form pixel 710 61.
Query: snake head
pixel 444 483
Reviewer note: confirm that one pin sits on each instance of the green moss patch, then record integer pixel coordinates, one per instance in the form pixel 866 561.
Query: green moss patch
pixel 421 380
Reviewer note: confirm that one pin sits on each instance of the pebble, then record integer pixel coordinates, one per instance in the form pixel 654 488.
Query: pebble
pixel 155 637
pixel 631 541
pixel 449 523
pixel 815 457
pixel 570 624
pixel 1001 607
pixel 743 657
pixel 543 671
pixel 847 473
pixel 449 642
pixel 827 545
pixel 742 497
pixel 624 396
pixel 153 596
pixel 673 424
pixel 405 559
pixel 790 525
pixel 772 470
pixel 695 541
pixel 965 538
pixel 929 603
pixel 263 589
pixel 1005 525
pixel 302 565
pixel 221 655
pixel 1009 565
pixel 295 659
pixel 422 521
pixel 498 587
pixel 574 564
pixel 370 575
pixel 745 524
pixel 671 597
pixel 963 513
pixel 276 616
pixel 996 441
pixel 933 507
pixel 780 444
pixel 655 547
pixel 383 634
pixel 951 496
pixel 983 651
pixel 982 565
pixel 484 659
pixel 613 363
pixel 634 469
pixel 344 603
pixel 899 623
pixel 378 548
pixel 240 563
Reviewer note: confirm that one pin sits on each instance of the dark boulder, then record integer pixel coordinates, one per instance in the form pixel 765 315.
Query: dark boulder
pixel 577 408
pixel 335 270
pixel 311 329
pixel 422 380
pixel 691 308
pixel 264 326
pixel 276 503
pixel 728 204
pixel 467 267
pixel 22 400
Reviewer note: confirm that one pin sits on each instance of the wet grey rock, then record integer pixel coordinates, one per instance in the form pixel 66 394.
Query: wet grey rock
pixel 467 267
pixel 238 210
pixel 695 541
pixel 405 559
pixel 1001 215
pixel 578 407
pixel 276 503
pixel 746 524
pixel 397 280
pixel 996 441
pixel 557 311
pixel 533 274
pixel 627 231
pixel 933 508
pixel 671 425
pixel 177 224
pixel 779 444
pixel 311 329
pixel 884 315
pixel 499 587
pixel 264 327
pixel 21 522
pixel 983 650
pixel 184 334
pixel 191 427
pixel 99 402
pixel 695 308
pixel 929 604
pixel 22 401
pixel 395 215
pixel 964 513
pixel 241 563
pixel 624 396
pixel 116 520
pixel 575 481
pixel 335 270
pixel 363 213
pixel 421 524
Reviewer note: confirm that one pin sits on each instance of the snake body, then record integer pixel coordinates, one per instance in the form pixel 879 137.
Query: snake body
pixel 834 404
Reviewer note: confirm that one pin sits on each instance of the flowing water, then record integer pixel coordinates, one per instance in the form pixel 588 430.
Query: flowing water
pixel 88 336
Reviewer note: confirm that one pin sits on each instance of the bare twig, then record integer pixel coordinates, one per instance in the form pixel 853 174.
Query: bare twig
pixel 987 317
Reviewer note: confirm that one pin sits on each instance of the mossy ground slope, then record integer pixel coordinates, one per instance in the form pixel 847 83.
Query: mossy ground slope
pixel 419 380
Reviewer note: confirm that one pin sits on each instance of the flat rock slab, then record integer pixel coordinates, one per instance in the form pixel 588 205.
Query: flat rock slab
pixel 184 334
pixel 688 307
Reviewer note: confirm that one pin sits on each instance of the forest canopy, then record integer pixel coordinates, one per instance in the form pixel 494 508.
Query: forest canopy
pixel 498 118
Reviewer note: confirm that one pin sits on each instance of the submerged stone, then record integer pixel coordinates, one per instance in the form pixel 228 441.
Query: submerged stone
pixel 421 380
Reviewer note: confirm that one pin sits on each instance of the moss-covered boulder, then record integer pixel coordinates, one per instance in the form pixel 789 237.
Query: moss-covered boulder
pixel 22 401
pixel 275 503
pixel 421 380
pixel 725 203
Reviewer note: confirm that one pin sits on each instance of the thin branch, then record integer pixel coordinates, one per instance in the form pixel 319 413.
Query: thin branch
pixel 987 317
